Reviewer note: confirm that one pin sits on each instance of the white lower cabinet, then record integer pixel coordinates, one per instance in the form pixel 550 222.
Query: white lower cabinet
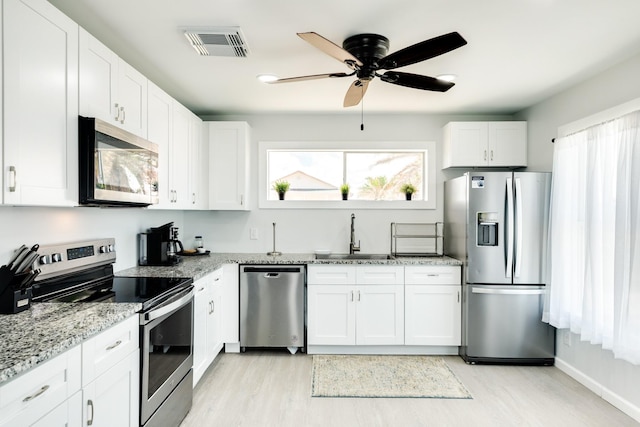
pixel 96 383
pixel 111 377
pixel 433 305
pixel 112 398
pixel 401 309
pixel 207 333
pixel 41 394
pixel 231 303
pixel 367 310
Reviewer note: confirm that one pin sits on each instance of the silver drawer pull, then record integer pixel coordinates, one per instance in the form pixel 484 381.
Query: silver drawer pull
pixel 114 345
pixel 12 179
pixel 90 405
pixel 36 394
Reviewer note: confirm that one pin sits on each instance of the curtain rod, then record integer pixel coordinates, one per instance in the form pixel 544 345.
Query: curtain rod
pixel 553 140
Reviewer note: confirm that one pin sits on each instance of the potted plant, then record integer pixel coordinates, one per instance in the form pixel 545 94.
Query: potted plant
pixel 408 190
pixel 281 187
pixel 344 190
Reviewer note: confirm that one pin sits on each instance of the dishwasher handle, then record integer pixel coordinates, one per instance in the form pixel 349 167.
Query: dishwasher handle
pixel 267 269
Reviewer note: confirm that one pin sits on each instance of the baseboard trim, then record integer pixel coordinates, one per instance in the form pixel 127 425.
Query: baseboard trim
pixel 616 400
pixel 383 349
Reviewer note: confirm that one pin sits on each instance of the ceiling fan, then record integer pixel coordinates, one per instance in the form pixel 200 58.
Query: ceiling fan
pixel 366 54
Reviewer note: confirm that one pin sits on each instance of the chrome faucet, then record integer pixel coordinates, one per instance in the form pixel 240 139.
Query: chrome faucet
pixel 352 243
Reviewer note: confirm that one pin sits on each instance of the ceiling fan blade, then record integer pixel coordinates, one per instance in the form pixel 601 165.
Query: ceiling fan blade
pixel 422 51
pixel 355 93
pixel 330 48
pixel 416 81
pixel 311 77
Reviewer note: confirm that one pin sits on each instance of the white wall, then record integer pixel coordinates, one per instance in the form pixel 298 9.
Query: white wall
pixel 302 231
pixel 47 226
pixel 615 380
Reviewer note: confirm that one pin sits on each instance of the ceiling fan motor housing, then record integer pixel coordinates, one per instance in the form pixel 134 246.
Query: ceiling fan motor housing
pixel 369 49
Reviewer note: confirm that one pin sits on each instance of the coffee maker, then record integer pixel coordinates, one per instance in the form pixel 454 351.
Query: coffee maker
pixel 160 246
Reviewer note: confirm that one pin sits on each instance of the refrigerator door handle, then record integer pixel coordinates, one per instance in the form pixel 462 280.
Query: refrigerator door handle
pixel 508 291
pixel 509 234
pixel 518 218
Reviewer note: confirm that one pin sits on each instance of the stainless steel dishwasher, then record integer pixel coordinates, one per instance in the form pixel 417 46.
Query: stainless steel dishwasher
pixel 272 306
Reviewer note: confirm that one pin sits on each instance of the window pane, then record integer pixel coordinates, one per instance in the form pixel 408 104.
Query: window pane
pixel 318 175
pixel 312 175
pixel 379 176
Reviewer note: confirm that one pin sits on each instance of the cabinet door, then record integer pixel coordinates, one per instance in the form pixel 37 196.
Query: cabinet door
pixel 507 144
pixel 198 172
pixel 200 319
pixel 113 398
pixel 40 83
pixel 159 131
pixel 229 165
pixel 98 79
pixel 432 314
pixel 331 315
pixel 214 322
pixel 231 303
pixel 465 144
pixel 132 96
pixel 179 155
pixel 379 314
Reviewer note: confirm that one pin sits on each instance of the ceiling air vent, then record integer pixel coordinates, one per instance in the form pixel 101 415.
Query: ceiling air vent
pixel 218 41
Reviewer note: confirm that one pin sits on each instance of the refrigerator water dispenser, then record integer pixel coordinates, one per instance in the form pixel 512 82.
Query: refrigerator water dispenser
pixel 487 229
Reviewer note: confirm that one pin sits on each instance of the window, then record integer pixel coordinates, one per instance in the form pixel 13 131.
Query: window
pixel 375 174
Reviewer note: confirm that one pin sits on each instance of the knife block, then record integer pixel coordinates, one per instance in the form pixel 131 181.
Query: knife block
pixel 13 297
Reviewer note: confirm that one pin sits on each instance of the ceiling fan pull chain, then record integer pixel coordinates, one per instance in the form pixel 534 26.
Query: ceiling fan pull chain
pixel 362 109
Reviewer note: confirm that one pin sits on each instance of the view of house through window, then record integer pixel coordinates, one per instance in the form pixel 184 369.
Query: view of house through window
pixel 371 175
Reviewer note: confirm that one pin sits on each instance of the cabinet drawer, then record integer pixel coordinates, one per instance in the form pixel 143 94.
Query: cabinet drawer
pixel 331 275
pixel 108 348
pixel 380 275
pixel 433 275
pixel 41 389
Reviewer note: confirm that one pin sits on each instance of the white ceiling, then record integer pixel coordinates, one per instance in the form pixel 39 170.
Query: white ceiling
pixel 518 53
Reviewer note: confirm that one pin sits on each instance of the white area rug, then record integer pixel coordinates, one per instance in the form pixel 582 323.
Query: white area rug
pixel 385 376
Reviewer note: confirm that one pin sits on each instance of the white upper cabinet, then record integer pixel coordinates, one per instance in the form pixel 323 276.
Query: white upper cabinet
pixel 228 165
pixel 180 196
pixel 40 82
pixel 484 144
pixel 110 89
pixel 160 131
pixel 198 161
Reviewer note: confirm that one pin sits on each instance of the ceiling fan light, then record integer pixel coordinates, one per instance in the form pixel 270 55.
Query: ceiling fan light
pixel 446 77
pixel 267 78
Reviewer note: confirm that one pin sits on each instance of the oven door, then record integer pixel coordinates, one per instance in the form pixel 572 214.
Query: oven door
pixel 167 350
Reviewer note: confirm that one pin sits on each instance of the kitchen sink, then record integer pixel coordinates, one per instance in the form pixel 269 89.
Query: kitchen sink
pixel 354 256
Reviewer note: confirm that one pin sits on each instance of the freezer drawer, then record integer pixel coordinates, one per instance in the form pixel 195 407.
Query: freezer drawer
pixel 272 306
pixel 503 324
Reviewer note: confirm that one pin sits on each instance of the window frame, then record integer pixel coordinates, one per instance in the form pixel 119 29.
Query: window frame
pixel 429 174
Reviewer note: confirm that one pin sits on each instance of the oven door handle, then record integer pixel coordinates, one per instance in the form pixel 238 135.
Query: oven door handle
pixel 165 309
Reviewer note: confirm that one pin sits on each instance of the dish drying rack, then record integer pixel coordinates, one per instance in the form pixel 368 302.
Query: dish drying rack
pixel 417 239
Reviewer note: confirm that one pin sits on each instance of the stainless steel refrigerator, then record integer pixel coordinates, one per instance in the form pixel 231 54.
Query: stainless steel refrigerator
pixel 496 223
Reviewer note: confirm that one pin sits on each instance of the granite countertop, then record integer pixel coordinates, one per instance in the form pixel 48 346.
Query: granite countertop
pixel 34 336
pixel 198 266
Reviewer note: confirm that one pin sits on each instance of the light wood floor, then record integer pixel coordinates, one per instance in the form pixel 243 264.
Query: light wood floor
pixel 273 388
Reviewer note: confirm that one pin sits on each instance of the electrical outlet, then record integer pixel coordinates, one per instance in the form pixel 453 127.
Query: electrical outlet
pixel 566 337
pixel 253 233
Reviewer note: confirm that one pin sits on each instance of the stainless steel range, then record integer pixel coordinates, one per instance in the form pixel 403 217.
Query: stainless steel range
pixel 83 272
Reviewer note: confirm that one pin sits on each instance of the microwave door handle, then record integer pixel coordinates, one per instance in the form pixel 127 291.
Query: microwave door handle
pixel 509 234
pixel 518 249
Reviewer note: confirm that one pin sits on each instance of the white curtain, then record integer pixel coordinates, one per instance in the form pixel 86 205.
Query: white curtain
pixel 594 285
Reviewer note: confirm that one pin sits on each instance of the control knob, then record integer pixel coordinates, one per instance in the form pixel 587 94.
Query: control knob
pixel 56 257
pixel 45 259
pixel 103 249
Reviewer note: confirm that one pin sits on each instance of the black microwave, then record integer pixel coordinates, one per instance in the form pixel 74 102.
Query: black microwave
pixel 117 168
